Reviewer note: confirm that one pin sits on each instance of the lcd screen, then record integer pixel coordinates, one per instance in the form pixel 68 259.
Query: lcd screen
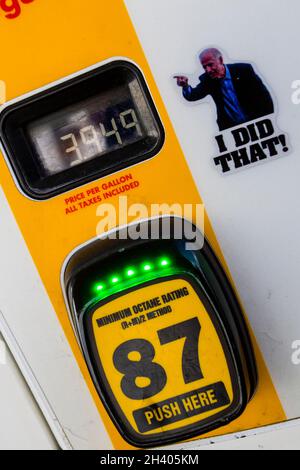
pixel 92 128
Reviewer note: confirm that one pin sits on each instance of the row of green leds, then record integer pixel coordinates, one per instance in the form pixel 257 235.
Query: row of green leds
pixel 132 272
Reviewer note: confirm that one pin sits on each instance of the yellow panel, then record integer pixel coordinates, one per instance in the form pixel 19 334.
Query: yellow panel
pixel 52 39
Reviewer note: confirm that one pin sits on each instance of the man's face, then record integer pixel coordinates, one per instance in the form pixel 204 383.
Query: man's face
pixel 213 66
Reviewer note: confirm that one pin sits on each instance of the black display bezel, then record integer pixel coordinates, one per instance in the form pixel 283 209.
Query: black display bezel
pixel 214 289
pixel 22 155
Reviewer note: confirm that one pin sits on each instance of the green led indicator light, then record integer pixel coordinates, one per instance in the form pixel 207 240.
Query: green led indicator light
pixel 165 262
pixel 130 272
pixel 147 267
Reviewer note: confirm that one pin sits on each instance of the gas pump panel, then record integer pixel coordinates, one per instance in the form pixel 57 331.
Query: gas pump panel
pixel 115 128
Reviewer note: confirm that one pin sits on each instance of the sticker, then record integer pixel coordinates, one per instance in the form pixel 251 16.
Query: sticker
pixel 163 360
pixel 245 108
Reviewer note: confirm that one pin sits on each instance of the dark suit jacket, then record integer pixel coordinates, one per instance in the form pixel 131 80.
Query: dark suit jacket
pixel 252 94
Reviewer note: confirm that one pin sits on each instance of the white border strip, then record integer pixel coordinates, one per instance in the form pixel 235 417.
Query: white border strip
pixel 227 438
pixel 34 386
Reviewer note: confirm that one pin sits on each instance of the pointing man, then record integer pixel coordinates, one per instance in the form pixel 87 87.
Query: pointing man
pixel 238 92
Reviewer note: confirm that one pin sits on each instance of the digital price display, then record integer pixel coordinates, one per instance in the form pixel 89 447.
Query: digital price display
pixel 168 359
pixel 82 129
pixel 92 128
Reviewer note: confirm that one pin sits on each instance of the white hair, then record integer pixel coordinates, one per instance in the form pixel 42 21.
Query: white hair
pixel 215 52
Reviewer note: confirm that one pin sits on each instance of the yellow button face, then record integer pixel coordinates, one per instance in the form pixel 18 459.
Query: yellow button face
pixel 162 360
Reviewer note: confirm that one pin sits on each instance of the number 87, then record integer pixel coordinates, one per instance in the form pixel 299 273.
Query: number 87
pixel 155 373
